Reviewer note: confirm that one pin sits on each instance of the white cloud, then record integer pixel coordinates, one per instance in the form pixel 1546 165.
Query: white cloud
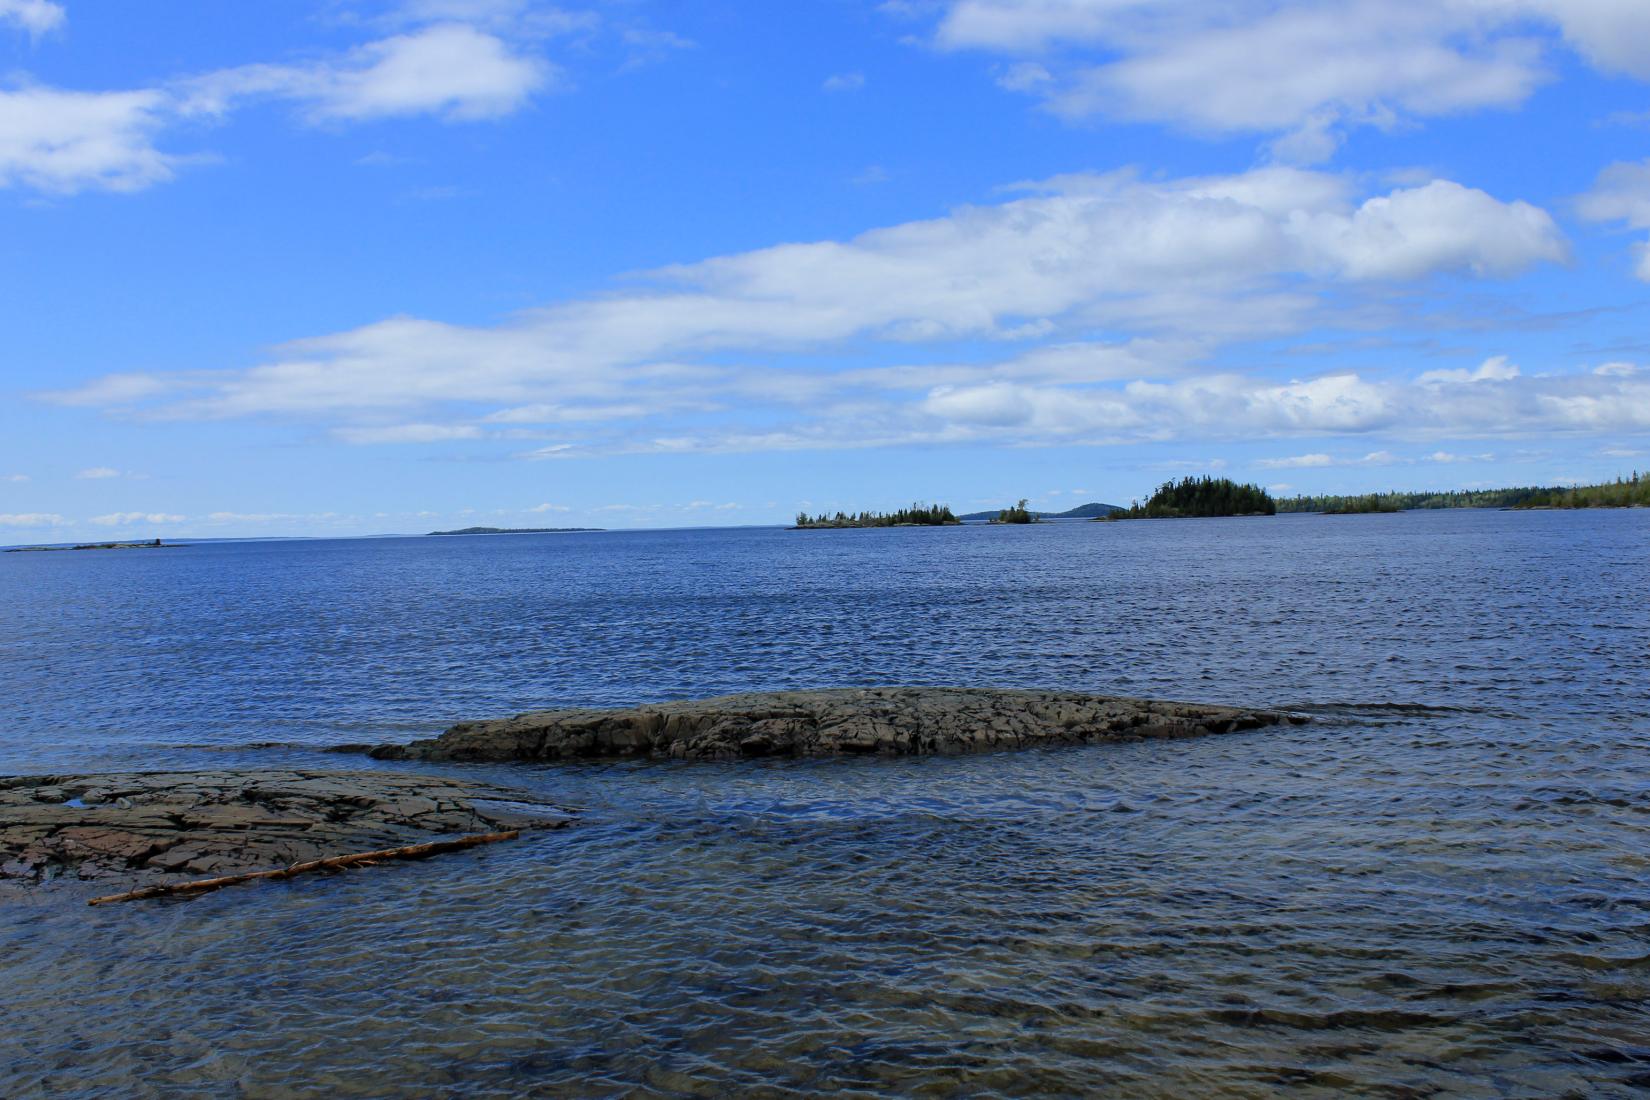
pixel 1295 462
pixel 549 508
pixel 14 478
pixel 1622 194
pixel 1443 226
pixel 114 389
pixel 844 82
pixel 1373 458
pixel 1303 67
pixel 1024 76
pixel 1494 369
pixel 408 433
pixel 1612 34
pixel 62 142
pixel 450 70
pixel 35 16
pixel 127 519
pixel 32 519
pixel 96 473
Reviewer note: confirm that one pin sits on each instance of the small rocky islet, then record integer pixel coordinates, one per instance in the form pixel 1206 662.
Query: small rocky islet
pixel 176 826
pixel 886 721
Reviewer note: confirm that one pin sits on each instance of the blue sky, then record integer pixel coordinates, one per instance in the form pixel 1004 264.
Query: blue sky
pixel 349 268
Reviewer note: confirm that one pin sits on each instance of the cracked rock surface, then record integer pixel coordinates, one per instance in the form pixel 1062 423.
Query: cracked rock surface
pixel 176 825
pixel 882 720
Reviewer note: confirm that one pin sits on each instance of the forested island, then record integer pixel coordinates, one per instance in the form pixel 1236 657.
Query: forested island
pixel 918 515
pixel 1016 514
pixel 1201 497
pixel 1624 492
pixel 940 515
pixel 1092 510
pixel 514 530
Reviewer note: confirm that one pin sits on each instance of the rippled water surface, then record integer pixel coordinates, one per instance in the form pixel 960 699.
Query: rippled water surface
pixel 1439 887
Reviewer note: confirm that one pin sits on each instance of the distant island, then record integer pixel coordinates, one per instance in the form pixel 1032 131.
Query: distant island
pixel 1016 513
pixel 1624 492
pixel 940 515
pixel 1201 497
pixel 156 544
pixel 1092 510
pixel 514 530
pixel 918 515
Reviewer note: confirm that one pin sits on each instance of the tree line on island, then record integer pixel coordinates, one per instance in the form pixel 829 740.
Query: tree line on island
pixel 917 515
pixel 1201 497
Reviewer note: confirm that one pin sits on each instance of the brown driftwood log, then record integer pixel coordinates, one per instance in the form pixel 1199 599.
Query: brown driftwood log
pixel 356 859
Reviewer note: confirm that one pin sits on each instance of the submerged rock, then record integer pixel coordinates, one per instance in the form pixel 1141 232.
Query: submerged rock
pixel 169 825
pixel 887 721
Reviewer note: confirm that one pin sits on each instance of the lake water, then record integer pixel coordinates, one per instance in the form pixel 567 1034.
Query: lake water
pixel 1441 886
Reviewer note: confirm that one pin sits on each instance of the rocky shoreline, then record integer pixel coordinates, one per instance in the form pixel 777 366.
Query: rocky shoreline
pixel 172 826
pixel 882 721
pixel 146 828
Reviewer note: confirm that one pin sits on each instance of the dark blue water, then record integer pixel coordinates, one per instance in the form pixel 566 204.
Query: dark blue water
pixel 1437 887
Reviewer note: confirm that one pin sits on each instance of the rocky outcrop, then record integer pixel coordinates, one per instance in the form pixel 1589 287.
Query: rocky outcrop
pixel 171 825
pixel 888 721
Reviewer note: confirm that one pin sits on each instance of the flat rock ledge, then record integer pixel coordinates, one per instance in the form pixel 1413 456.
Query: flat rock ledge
pixel 880 720
pixel 169 826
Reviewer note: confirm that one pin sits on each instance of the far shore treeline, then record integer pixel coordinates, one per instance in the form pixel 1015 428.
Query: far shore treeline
pixel 1204 497
pixel 1624 492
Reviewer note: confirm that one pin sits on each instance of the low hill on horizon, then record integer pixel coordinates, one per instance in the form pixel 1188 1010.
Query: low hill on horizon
pixel 1082 511
pixel 514 530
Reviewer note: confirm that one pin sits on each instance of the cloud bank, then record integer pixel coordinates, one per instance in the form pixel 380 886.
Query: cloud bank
pixel 1103 291
pixel 1305 71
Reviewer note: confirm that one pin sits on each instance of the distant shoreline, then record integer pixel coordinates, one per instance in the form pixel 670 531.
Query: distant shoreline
pixel 1624 492
pixel 515 531
pixel 196 540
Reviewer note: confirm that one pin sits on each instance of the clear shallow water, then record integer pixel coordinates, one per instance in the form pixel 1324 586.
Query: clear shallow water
pixel 1440 887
